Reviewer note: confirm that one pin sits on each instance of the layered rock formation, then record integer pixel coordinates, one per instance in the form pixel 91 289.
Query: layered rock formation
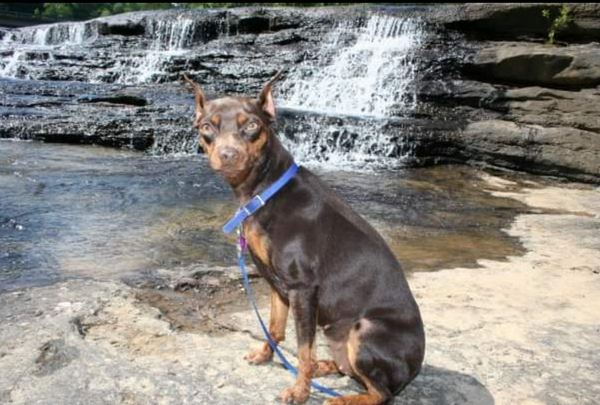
pixel 523 104
pixel 488 89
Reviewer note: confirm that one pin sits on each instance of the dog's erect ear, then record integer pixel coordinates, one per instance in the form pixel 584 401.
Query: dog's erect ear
pixel 200 101
pixel 265 98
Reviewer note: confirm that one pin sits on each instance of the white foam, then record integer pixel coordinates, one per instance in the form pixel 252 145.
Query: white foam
pixel 45 39
pixel 373 76
pixel 170 38
pixel 370 77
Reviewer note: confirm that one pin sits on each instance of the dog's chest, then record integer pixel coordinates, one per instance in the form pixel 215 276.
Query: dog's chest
pixel 261 249
pixel 258 241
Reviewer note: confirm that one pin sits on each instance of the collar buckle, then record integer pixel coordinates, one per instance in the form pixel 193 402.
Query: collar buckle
pixel 259 200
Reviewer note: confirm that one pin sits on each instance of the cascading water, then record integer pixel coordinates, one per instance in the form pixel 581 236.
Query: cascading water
pixel 27 44
pixel 169 38
pixel 172 35
pixel 371 77
pixel 10 67
pixel 49 35
pixel 352 91
pixel 344 105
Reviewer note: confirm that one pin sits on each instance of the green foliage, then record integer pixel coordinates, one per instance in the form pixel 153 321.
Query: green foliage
pixel 561 21
pixel 83 11
pixel 75 11
pixel 128 7
pixel 29 8
pixel 230 5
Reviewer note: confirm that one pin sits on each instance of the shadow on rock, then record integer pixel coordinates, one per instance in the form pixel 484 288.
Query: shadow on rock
pixel 439 386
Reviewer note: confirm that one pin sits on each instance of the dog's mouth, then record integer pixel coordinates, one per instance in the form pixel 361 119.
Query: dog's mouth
pixel 233 175
pixel 234 172
pixel 227 169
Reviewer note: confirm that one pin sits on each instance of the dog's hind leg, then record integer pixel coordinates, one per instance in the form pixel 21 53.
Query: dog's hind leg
pixel 383 367
pixel 321 368
pixel 325 367
pixel 372 397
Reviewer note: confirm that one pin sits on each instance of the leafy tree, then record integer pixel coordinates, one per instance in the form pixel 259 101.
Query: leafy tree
pixel 28 8
pixel 78 11
pixel 81 11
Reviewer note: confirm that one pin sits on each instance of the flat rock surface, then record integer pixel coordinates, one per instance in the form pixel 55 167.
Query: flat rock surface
pixel 539 64
pixel 520 331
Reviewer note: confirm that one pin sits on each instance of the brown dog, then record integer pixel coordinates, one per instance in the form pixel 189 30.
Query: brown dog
pixel 320 257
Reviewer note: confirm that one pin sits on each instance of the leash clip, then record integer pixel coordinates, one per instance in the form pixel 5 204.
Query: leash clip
pixel 242 242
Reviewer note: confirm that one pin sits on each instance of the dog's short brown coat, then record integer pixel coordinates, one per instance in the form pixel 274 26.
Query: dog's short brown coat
pixel 320 257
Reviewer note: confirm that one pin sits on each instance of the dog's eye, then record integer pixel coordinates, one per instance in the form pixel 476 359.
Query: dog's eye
pixel 253 126
pixel 206 127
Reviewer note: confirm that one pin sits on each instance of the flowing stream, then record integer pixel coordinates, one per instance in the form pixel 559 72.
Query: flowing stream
pixel 68 210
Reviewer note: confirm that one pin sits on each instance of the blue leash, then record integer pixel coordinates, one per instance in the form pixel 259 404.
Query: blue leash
pixel 243 213
pixel 272 343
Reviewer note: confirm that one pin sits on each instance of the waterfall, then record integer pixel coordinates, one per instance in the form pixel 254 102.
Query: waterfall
pixel 38 36
pixel 346 104
pixel 11 67
pixel 26 43
pixel 169 38
pixel 60 34
pixel 172 35
pixel 365 72
pixel 370 77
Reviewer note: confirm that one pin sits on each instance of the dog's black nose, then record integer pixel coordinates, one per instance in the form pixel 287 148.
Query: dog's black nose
pixel 228 155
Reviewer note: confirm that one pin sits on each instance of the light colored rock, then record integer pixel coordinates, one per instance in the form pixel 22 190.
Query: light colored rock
pixel 555 108
pixel 524 328
pixel 534 148
pixel 520 331
pixel 538 64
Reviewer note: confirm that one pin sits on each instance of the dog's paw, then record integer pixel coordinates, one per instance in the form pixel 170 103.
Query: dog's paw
pixel 259 356
pixel 295 395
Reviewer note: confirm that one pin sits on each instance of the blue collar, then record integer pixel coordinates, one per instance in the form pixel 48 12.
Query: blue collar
pixel 261 199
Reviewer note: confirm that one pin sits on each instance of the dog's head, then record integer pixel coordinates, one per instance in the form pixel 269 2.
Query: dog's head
pixel 234 131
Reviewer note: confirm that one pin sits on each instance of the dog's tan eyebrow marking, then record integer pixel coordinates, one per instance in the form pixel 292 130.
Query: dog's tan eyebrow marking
pixel 242 119
pixel 215 120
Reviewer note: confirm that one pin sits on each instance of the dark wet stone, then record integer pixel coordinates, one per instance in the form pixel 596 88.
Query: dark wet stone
pixel 521 20
pixel 117 99
pixel 121 27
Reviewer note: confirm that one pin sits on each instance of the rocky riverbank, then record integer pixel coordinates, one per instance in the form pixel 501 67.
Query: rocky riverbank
pixel 524 330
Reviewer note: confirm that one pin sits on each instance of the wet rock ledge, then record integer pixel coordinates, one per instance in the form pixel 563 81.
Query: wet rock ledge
pixel 489 90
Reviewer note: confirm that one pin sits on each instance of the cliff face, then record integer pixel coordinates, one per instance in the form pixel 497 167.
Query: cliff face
pixel 525 105
pixel 486 88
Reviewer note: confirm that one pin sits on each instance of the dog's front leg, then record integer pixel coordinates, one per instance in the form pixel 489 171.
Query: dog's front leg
pixel 277 322
pixel 303 303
